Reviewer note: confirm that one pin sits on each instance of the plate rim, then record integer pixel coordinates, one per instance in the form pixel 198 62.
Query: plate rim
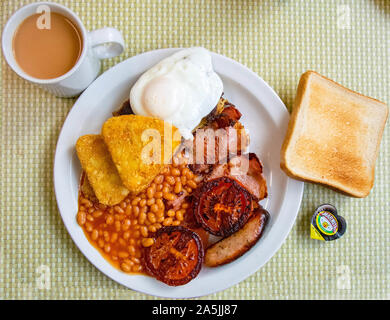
pixel 293 186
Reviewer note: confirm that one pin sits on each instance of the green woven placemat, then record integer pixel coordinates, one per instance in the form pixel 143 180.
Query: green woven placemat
pixel 348 41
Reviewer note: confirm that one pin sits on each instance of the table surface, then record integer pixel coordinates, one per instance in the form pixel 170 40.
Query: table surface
pixel 279 40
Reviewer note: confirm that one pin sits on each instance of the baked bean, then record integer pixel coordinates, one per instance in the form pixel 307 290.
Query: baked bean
pixel 94 234
pixel 114 237
pixel 167 221
pixel 119 217
pixel 117 226
pixel 157 225
pixel 151 201
pixel 110 220
pixel 166 170
pixel 137 234
pixel 144 231
pixel 176 223
pixel 126 224
pixel 169 196
pixel 147 242
pixel 150 192
pixel 151 217
pixel 135 260
pixel 81 217
pixel 119 209
pixel 128 261
pixel 152 228
pixel 171 180
pixel 179 215
pixel 135 211
pixel 135 201
pixel 191 184
pixel 97 213
pixel 142 203
pixel 131 250
pixel 165 190
pixel 171 213
pixel 88 227
pixel 178 187
pixel 128 210
pixel 160 203
pixel 107 248
pixel 100 243
pixel 123 254
pixel 125 267
pixel 154 208
pixel 142 218
pixel 159 179
pixel 175 172
pixel 189 175
pixel 86 202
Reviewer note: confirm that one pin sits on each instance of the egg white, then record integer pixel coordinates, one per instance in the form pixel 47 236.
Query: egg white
pixel 180 89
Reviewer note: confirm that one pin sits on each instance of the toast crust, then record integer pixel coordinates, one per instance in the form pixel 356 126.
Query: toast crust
pixel 348 171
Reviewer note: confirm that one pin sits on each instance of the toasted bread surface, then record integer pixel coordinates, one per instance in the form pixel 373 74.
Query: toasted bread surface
pixel 333 136
pixel 100 169
pixel 139 147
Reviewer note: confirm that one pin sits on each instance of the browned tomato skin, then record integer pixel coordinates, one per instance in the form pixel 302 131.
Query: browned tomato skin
pixel 191 274
pixel 203 197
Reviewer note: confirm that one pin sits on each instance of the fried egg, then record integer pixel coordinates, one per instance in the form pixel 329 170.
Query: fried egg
pixel 180 89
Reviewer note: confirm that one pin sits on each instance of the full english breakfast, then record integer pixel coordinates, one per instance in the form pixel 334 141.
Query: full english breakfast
pixel 198 198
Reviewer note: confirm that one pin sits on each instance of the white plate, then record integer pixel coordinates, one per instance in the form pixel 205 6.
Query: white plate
pixel 264 116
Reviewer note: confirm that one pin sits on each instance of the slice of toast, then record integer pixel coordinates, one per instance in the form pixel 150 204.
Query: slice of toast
pixel 100 169
pixel 333 136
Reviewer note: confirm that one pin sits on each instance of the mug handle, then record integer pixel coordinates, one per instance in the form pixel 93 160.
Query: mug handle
pixel 106 42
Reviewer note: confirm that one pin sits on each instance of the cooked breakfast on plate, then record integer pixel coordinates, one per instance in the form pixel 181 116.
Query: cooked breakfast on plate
pixel 168 186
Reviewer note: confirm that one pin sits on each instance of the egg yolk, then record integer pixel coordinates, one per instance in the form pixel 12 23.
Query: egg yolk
pixel 162 97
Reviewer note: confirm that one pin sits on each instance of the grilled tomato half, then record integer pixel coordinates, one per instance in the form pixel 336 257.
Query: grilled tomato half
pixel 222 206
pixel 176 257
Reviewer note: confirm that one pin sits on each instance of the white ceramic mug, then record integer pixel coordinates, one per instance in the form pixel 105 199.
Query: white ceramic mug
pixel 98 44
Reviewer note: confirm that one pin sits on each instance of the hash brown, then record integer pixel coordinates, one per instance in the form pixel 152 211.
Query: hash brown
pixel 133 142
pixel 100 169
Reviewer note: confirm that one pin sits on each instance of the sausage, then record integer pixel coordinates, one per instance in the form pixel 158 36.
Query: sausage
pixel 234 246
